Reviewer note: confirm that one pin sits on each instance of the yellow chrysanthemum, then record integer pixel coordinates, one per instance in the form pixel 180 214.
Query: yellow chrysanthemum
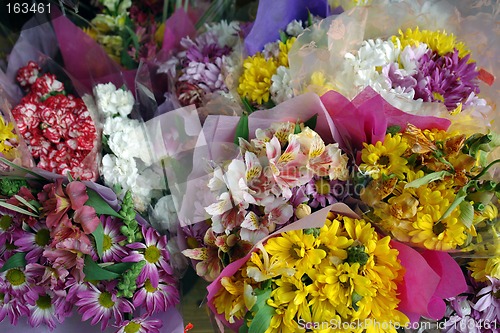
pixel 482 267
pixel 319 84
pixel 282 320
pixel 8 139
pixel 292 291
pixel 232 299
pixel 429 228
pixel 255 81
pixel 385 158
pixel 298 249
pixel 438 41
pixel 284 49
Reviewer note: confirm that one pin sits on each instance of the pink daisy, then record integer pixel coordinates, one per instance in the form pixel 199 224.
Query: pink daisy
pixel 11 307
pixel 141 325
pixel 33 243
pixel 101 305
pixel 157 299
pixel 42 308
pixel 154 252
pixel 112 250
pixel 17 281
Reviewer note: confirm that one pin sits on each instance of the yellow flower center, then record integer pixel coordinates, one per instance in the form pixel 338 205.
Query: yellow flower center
pixel 384 160
pixel 44 302
pixel 5 222
pixel 322 186
pixel 42 237
pixel 132 327
pixel 192 243
pixel 105 300
pixel 437 96
pixel 152 254
pixel 106 243
pixel 15 277
pixel 149 287
pixel 438 228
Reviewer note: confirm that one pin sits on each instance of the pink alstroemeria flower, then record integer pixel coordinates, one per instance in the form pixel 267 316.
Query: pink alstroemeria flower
pixel 57 200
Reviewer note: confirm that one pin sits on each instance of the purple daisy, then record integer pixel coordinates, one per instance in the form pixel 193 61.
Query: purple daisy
pixel 157 299
pixel 112 250
pixel 12 307
pixel 17 281
pixel 33 243
pixel 325 192
pixel 447 79
pixel 42 308
pixel 154 251
pixel 141 325
pixel 488 302
pixel 101 305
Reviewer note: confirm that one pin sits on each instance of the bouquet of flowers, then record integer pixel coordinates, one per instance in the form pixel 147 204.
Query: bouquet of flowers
pixel 197 68
pixel 57 127
pixel 127 156
pixel 319 276
pixel 280 176
pixel 262 79
pixel 431 187
pixel 415 59
pixel 71 245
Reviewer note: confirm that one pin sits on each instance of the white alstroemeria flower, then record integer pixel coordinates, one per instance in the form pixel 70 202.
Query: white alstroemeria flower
pixel 281 88
pixel 266 269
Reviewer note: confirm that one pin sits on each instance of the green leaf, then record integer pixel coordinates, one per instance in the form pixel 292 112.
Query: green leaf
pixel 242 130
pixel 100 205
pixel 466 213
pixel 309 18
pixel 248 107
pixel 17 209
pixel 26 203
pixel 458 200
pixel 15 166
pixel 98 234
pixel 120 268
pixel 262 319
pixel 283 36
pixel 17 260
pixel 311 122
pixel 262 296
pixel 94 272
pixel 246 320
pixel 355 299
pixel 297 129
pixel 393 130
pixel 427 179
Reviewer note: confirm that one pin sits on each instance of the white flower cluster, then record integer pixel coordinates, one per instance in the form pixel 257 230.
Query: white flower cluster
pixel 227 33
pixel 128 164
